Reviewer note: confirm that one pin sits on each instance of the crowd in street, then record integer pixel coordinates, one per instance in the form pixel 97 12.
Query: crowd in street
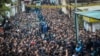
pixel 26 38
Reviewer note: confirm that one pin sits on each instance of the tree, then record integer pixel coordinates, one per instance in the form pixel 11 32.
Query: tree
pixel 3 7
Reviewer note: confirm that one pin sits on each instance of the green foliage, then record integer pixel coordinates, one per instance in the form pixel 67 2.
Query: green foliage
pixel 4 8
pixel 5 1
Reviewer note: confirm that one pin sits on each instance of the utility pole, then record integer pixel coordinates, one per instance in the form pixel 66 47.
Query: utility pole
pixel 76 23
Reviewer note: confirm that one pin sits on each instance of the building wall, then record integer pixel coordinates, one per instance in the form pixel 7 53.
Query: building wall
pixel 87 26
pixel 95 26
pixel 54 1
pixel 14 9
pixel 23 6
pixel 91 26
pixel 64 9
pixel 28 1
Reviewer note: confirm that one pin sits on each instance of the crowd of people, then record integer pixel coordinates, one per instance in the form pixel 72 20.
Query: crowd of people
pixel 26 38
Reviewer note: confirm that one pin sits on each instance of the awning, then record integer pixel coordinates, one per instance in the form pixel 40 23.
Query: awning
pixel 90 16
pixel 89 8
